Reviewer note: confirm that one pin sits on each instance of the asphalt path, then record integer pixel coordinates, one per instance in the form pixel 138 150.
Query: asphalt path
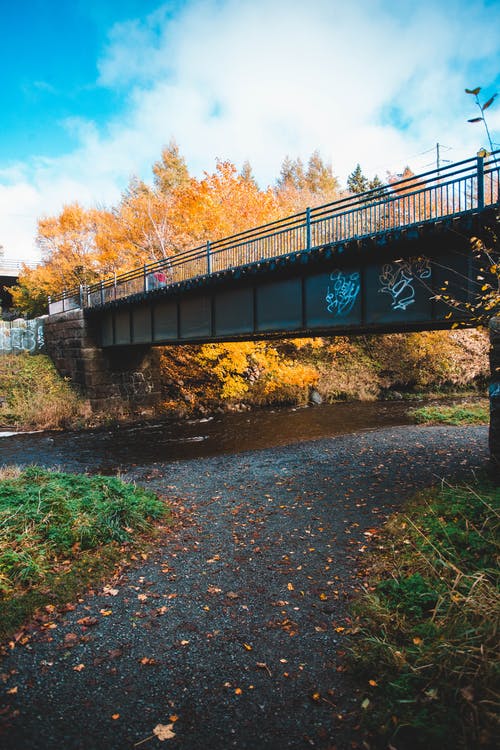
pixel 233 632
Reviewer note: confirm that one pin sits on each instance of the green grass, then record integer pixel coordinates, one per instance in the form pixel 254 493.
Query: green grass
pixel 470 413
pixel 428 624
pixel 61 532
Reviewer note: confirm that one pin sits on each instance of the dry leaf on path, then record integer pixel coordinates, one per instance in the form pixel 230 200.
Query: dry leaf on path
pixel 164 731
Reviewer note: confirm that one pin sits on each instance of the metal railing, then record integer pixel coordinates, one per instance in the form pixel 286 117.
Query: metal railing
pixel 453 190
pixel 15 265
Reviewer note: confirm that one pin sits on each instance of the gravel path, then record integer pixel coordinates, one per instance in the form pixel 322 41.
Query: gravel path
pixel 240 618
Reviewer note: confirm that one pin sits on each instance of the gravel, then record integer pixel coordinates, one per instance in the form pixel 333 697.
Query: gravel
pixel 234 629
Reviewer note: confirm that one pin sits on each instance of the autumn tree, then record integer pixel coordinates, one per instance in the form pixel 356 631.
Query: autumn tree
pixel 297 188
pixel 220 204
pixel 170 171
pixel 319 176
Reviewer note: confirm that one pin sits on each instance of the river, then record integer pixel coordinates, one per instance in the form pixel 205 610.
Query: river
pixel 121 448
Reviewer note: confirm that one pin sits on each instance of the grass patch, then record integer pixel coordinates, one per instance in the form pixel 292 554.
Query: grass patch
pixel 428 624
pixel 35 396
pixel 61 532
pixel 469 413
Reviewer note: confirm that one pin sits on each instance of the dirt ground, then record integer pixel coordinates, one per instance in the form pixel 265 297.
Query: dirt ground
pixel 233 633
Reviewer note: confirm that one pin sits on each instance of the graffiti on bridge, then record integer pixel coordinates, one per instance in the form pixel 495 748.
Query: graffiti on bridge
pixel 343 293
pixel 21 336
pixel 398 280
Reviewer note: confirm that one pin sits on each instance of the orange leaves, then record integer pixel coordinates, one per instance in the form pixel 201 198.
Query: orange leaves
pixel 88 621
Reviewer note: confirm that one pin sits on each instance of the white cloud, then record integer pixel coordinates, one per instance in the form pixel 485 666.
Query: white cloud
pixel 258 80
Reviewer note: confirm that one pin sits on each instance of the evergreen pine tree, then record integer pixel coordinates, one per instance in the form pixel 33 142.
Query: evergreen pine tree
pixel 357 182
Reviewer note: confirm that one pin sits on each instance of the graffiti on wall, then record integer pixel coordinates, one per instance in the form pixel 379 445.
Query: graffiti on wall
pixel 21 336
pixel 494 390
pixel 397 279
pixel 343 292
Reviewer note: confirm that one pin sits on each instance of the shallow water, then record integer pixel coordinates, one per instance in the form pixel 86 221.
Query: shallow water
pixel 122 448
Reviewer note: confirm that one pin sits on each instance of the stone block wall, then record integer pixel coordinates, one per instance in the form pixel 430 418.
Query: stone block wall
pixel 494 438
pixel 113 380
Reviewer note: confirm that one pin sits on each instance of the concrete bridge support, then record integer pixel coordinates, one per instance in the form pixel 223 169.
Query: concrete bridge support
pixel 495 395
pixel 124 379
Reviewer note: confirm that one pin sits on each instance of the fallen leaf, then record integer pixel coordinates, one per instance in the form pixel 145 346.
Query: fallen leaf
pixel 12 691
pixel 148 661
pixel 164 731
pixel 232 595
pixel 108 591
pixel 70 640
pixel 247 646
pixel 115 717
pixel 238 691
pixel 88 621
pixel 105 612
pixel 184 642
pixel 373 683
pixel 290 586
pixel 78 667
pixel 142 597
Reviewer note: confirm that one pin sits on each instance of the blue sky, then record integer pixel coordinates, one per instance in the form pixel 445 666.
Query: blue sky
pixel 92 90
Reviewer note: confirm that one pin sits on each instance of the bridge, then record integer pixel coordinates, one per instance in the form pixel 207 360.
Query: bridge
pixel 9 274
pixel 387 260
pixel 397 258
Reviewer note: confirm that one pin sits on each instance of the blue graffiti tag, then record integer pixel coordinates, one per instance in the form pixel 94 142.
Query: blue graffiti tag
pixel 494 390
pixel 342 295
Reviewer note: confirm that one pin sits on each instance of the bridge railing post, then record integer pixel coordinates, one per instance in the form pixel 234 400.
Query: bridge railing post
pixel 308 228
pixel 102 291
pixel 480 180
pixel 145 275
pixel 209 258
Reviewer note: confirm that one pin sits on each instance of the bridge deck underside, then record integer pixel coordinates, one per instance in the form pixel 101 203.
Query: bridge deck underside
pixel 324 293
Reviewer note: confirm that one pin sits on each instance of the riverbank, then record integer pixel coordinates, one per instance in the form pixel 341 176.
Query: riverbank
pixel 234 632
pixel 203 381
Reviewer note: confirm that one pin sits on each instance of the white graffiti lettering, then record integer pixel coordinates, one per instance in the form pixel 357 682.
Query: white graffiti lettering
pixel 398 280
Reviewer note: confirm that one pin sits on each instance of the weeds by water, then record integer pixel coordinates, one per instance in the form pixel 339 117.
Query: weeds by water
pixel 33 395
pixel 459 414
pixel 428 624
pixel 60 531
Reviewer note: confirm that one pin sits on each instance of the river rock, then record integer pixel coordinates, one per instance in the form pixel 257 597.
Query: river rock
pixel 315 397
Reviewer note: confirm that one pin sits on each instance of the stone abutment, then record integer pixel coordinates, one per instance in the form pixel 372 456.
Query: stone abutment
pixel 113 380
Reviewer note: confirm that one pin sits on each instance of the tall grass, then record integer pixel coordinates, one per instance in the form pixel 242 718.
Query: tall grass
pixel 35 396
pixel 429 621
